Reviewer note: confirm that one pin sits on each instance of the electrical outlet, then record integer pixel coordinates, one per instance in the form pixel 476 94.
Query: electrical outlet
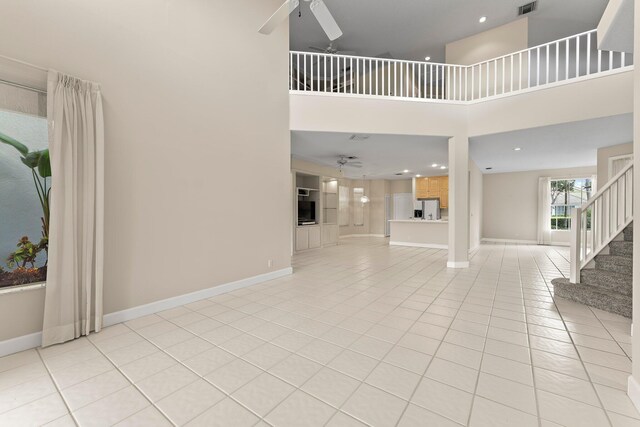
pixel 270 263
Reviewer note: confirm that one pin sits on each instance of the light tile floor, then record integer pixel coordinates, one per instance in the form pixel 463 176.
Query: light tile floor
pixel 361 334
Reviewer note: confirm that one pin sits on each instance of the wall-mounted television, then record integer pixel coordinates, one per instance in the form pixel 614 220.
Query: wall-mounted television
pixel 306 212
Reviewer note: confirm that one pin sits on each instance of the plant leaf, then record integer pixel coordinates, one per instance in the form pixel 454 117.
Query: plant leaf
pixel 6 139
pixel 31 159
pixel 44 164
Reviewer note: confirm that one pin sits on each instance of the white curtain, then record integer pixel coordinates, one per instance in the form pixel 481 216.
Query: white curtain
pixel 544 211
pixel 73 302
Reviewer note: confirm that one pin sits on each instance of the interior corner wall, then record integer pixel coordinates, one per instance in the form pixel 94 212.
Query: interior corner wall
pixel 475 205
pixel 183 114
pixel 510 203
pixel 493 43
pixel 603 160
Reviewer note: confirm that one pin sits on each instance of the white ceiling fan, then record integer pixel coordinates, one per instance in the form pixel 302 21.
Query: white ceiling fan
pixel 348 161
pixel 319 10
pixel 331 50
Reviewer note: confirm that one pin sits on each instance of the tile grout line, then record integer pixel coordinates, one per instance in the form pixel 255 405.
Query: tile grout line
pixel 130 382
pixel 484 345
pixel 58 390
pixel 457 273
pixel 576 349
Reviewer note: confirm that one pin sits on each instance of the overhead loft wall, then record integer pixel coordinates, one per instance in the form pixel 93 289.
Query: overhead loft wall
pixel 178 125
pixel 604 96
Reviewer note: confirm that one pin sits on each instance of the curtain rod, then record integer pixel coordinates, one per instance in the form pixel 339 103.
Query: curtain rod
pixel 24 63
pixel 17 61
pixel 32 89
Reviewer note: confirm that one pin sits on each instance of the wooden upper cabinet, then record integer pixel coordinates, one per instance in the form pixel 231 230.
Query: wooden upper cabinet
pixel 422 188
pixel 432 187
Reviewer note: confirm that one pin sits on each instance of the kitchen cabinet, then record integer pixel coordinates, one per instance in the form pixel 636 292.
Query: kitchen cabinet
pixel 433 187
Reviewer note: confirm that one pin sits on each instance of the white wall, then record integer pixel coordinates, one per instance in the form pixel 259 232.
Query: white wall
pixel 603 160
pixel 510 203
pixel 193 133
pixel 499 41
pixel 476 180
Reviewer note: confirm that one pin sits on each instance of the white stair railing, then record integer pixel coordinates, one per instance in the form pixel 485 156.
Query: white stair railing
pixel 596 223
pixel 560 61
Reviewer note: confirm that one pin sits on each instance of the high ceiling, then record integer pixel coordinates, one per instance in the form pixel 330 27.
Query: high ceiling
pixel 382 156
pixel 552 147
pixel 413 29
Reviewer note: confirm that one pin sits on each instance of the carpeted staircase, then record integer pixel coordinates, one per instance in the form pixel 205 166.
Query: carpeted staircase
pixel 608 286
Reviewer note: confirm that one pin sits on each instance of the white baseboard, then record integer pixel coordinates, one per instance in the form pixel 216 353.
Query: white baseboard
pixel 34 340
pixel 419 245
pixel 514 241
pixel 458 264
pixel 25 342
pixel 362 235
pixel 165 304
pixel 633 390
pixel 521 242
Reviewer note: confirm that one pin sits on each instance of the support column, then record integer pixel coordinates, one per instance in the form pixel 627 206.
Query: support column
pixel 634 380
pixel 459 202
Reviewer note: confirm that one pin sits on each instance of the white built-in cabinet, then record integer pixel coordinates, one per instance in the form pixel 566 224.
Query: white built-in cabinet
pixel 323 191
pixel 330 234
pixel 308 237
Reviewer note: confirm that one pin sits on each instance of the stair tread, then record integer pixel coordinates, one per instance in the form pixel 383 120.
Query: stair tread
pixel 603 299
pixel 607 280
pixel 613 274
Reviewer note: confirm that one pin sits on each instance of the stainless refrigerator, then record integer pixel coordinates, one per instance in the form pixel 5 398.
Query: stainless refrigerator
pixel 430 208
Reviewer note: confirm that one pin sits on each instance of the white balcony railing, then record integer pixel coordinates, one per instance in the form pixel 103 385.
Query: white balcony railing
pixel 600 220
pixel 560 61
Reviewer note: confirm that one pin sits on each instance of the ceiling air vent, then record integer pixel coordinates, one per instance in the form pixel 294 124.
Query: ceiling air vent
pixel 528 8
pixel 356 137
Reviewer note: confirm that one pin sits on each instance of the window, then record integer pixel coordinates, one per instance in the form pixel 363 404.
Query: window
pixel 343 205
pixel 24 184
pixel 358 206
pixel 566 195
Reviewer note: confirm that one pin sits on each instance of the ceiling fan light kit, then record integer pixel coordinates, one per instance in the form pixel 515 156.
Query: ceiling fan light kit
pixel 319 10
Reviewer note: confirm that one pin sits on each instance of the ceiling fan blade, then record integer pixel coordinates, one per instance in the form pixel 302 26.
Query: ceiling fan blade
pixel 317 49
pixel 279 16
pixel 325 19
pixel 353 165
pixel 346 52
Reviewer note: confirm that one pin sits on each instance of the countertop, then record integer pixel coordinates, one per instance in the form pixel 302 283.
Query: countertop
pixel 422 221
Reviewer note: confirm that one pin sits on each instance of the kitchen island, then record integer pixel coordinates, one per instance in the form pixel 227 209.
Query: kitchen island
pixel 421 233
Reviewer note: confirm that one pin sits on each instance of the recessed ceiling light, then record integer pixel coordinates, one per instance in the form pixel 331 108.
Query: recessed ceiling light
pixel 427 58
pixel 482 19
pixel 517 149
pixel 443 167
pixel 435 165
pixel 418 176
pixel 406 171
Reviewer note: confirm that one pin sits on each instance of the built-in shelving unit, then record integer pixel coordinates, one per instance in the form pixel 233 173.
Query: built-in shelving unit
pixel 330 228
pixel 315 211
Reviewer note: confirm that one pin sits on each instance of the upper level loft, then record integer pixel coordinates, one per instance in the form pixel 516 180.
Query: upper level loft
pixel 568 60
